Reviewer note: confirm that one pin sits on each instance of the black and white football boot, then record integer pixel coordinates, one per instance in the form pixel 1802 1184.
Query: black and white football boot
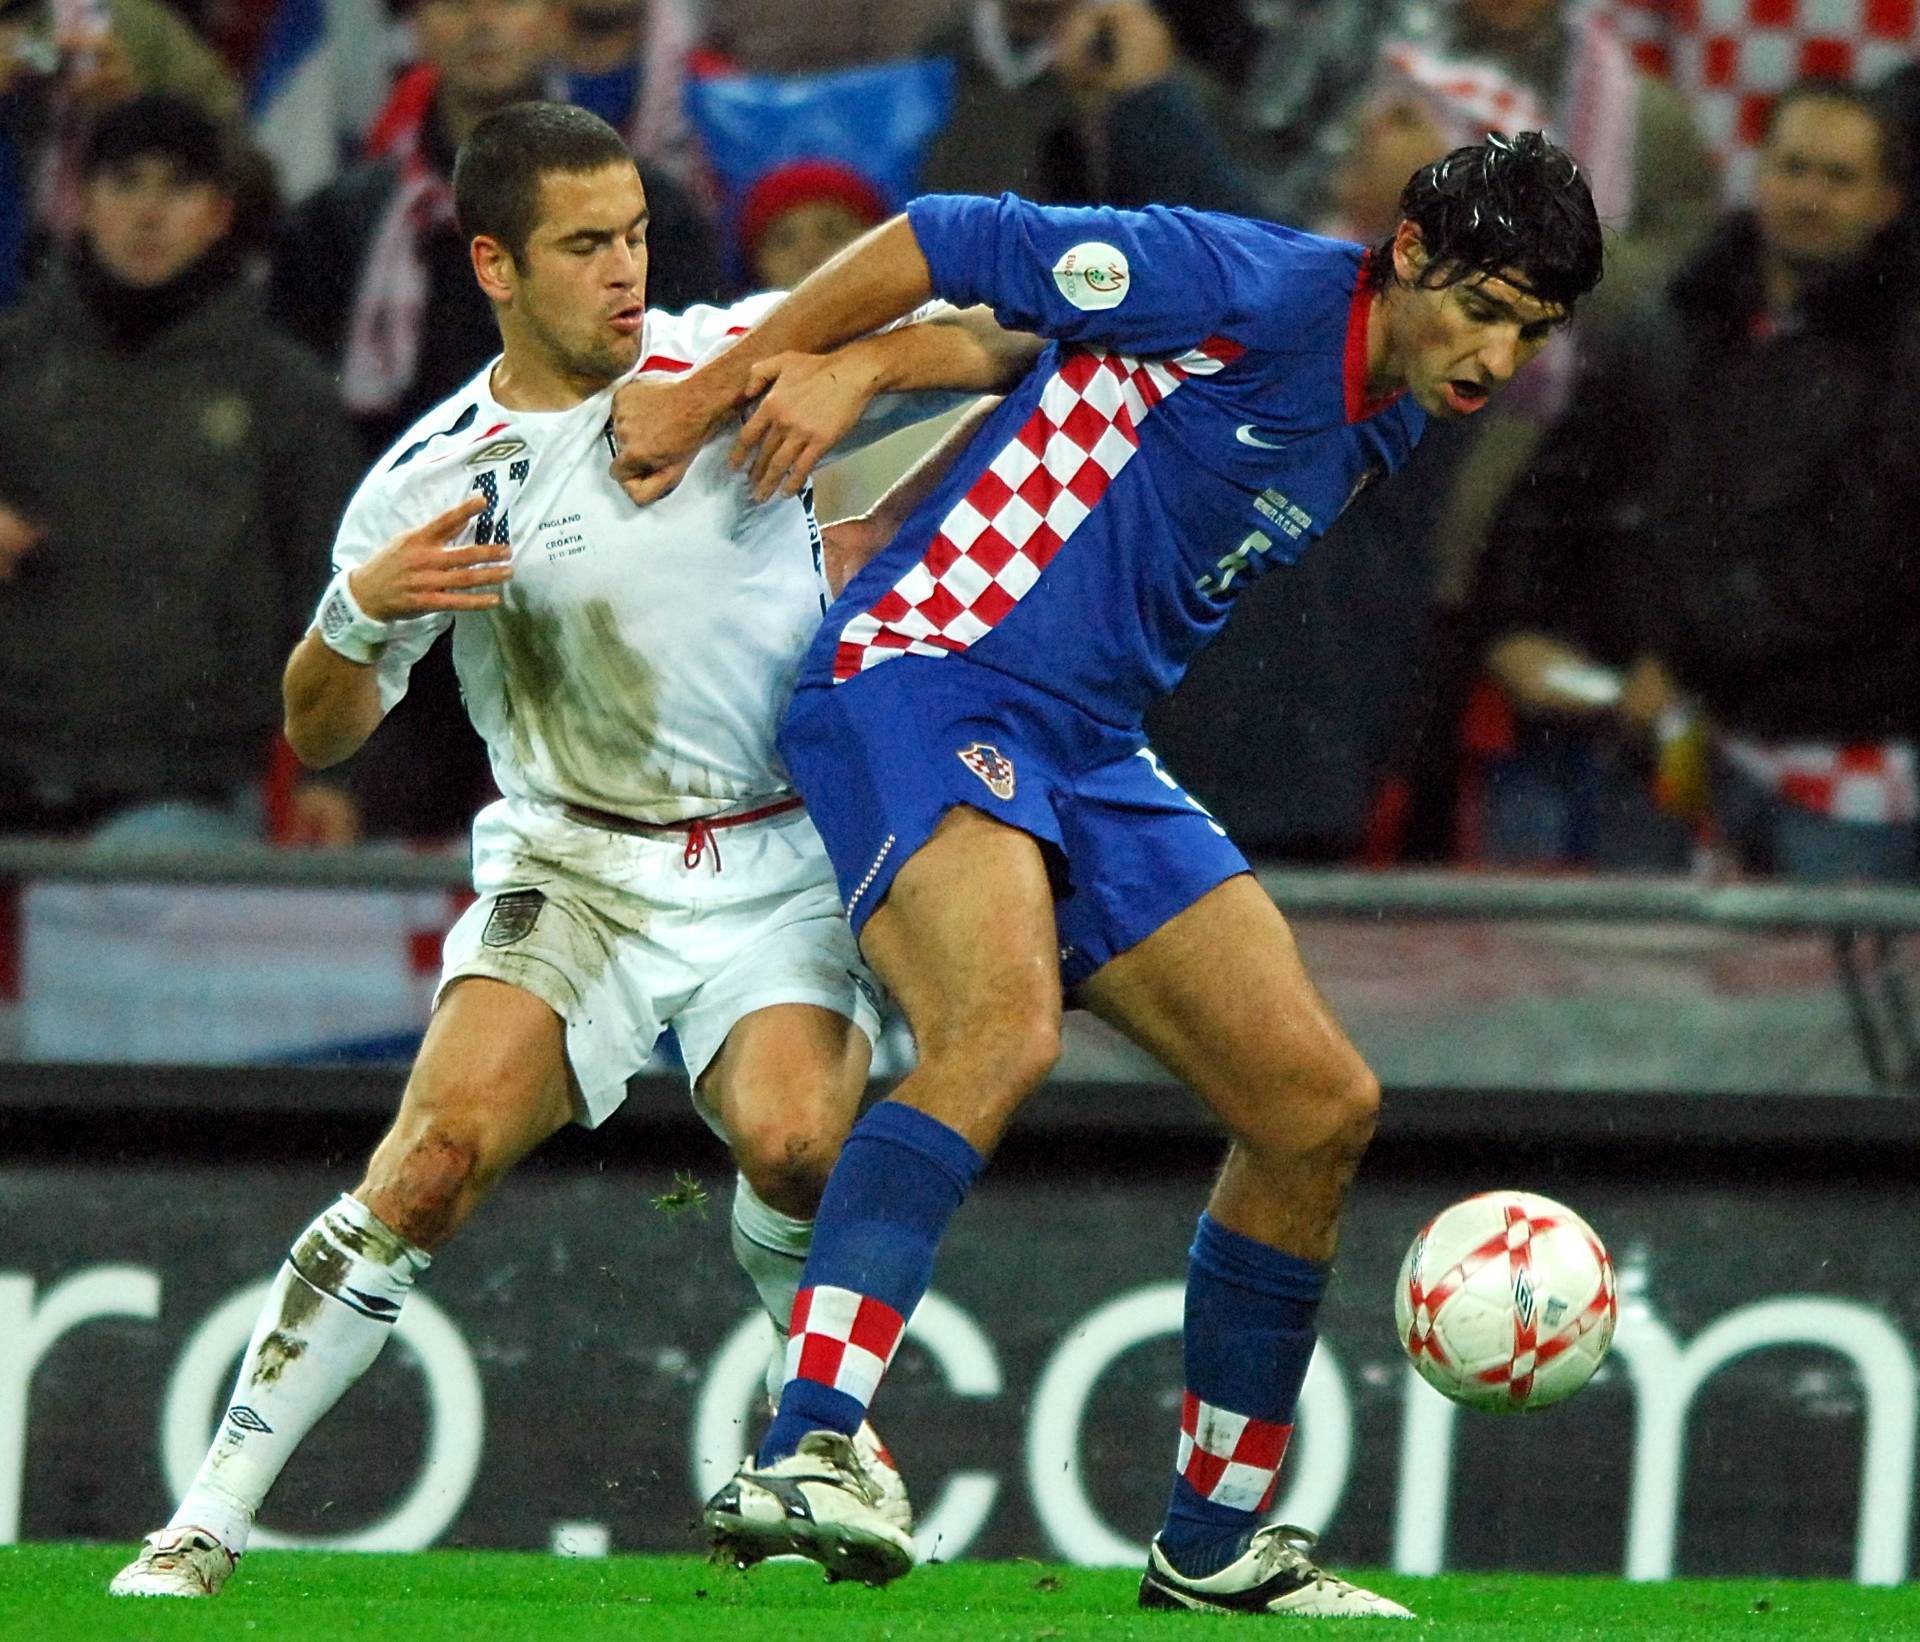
pixel 819 1502
pixel 1273 1576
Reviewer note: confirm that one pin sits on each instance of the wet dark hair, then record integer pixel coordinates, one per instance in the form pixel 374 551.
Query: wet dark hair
pixel 496 175
pixel 1518 207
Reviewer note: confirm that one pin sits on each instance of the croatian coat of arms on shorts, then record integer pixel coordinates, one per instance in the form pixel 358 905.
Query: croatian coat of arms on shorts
pixel 513 917
pixel 992 768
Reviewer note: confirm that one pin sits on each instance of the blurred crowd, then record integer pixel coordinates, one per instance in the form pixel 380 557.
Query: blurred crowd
pixel 1657 612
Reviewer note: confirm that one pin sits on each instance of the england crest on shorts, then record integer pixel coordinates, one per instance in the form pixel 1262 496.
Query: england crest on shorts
pixel 987 763
pixel 512 918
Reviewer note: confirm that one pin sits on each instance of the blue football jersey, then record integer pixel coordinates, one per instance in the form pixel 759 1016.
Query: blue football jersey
pixel 1200 416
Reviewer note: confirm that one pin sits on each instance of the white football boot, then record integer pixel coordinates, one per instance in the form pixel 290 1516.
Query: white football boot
pixel 819 1502
pixel 176 1562
pixel 1274 1576
pixel 890 1488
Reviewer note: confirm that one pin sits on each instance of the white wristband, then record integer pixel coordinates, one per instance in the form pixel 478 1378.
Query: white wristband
pixel 346 629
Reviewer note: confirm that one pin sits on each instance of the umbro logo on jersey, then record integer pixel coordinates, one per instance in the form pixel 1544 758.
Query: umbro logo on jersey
pixel 497 451
pixel 244 1417
pixel 1248 433
pixel 992 768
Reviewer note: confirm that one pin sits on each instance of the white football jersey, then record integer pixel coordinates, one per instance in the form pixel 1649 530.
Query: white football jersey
pixel 642 657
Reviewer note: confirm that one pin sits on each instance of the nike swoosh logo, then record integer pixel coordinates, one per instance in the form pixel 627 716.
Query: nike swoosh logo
pixel 1248 434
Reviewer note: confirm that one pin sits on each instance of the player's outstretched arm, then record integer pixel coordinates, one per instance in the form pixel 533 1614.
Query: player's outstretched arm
pixel 807 403
pixel 331 688
pixel 847 544
pixel 660 426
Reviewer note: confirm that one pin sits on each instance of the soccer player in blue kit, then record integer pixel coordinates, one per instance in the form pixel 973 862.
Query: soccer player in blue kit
pixel 967 732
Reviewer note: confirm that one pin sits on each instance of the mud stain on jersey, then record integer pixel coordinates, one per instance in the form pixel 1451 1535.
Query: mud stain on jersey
pixel 582 702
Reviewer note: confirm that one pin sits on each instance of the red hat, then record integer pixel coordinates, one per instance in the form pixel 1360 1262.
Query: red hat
pixel 806 182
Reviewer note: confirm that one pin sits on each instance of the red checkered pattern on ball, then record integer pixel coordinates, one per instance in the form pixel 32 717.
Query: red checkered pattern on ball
pixel 1231 1459
pixel 1036 492
pixel 1873 782
pixel 842 1339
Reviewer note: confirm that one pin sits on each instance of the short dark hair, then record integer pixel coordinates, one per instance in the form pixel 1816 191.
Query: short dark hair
pixel 1896 158
pixel 164 125
pixel 496 176
pixel 1515 206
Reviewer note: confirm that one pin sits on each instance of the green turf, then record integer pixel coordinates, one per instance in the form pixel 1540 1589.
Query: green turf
pixel 55 1593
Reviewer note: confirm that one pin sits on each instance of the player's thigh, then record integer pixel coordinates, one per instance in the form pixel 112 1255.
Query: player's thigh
pixel 785 1089
pixel 1219 996
pixel 489 1084
pixel 967 944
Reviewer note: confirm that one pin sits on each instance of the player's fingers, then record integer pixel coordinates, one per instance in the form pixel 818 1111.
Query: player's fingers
pixel 486 575
pixel 753 435
pixel 465 601
pixel 453 521
pixel 802 469
pixel 651 487
pixel 760 378
pixel 776 456
pixel 474 553
pixel 768 474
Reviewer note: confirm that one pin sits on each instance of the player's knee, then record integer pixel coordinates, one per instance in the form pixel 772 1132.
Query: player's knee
pixel 423 1186
pixel 1328 1114
pixel 1008 1051
pixel 786 1158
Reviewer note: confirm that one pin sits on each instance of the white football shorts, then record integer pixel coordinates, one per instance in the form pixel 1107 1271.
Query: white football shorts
pixel 622 938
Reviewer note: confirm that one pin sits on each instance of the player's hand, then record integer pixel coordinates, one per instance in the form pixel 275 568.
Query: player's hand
pixel 659 428
pixel 847 544
pixel 808 403
pixel 1543 675
pixel 420 572
pixel 323 816
pixel 19 536
pixel 1106 51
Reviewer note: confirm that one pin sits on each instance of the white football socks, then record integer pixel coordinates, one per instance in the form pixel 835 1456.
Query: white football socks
pixel 330 1310
pixel 772 1250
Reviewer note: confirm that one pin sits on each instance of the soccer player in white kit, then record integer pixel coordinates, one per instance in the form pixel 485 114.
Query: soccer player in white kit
pixel 648 865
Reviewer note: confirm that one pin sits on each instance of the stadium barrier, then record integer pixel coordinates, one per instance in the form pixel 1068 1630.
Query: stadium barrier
pixel 583 1365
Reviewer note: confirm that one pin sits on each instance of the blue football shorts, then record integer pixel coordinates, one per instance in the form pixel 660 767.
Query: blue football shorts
pixel 882 757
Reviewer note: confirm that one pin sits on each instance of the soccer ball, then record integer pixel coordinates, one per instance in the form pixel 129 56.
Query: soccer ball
pixel 1506 1302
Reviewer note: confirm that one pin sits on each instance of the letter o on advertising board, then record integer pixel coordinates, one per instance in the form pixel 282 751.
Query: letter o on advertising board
pixel 456 1421
pixel 1318 1462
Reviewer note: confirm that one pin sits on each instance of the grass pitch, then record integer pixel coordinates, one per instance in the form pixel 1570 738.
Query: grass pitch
pixel 56 1593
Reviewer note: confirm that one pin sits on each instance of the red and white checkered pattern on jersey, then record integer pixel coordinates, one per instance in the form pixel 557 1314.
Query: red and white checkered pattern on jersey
pixel 1036 492
pixel 1872 782
pixel 1732 57
pixel 1230 1459
pixel 842 1339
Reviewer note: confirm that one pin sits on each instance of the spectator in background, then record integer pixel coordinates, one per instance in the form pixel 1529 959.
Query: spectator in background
pixel 171 470
pixel 626 60
pixel 797 215
pixel 55 78
pixel 373 274
pixel 1724 527
pixel 1072 102
pixel 778 37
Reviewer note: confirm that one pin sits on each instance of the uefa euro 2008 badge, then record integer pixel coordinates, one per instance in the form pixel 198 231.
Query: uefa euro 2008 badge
pixel 991 765
pixel 1092 275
